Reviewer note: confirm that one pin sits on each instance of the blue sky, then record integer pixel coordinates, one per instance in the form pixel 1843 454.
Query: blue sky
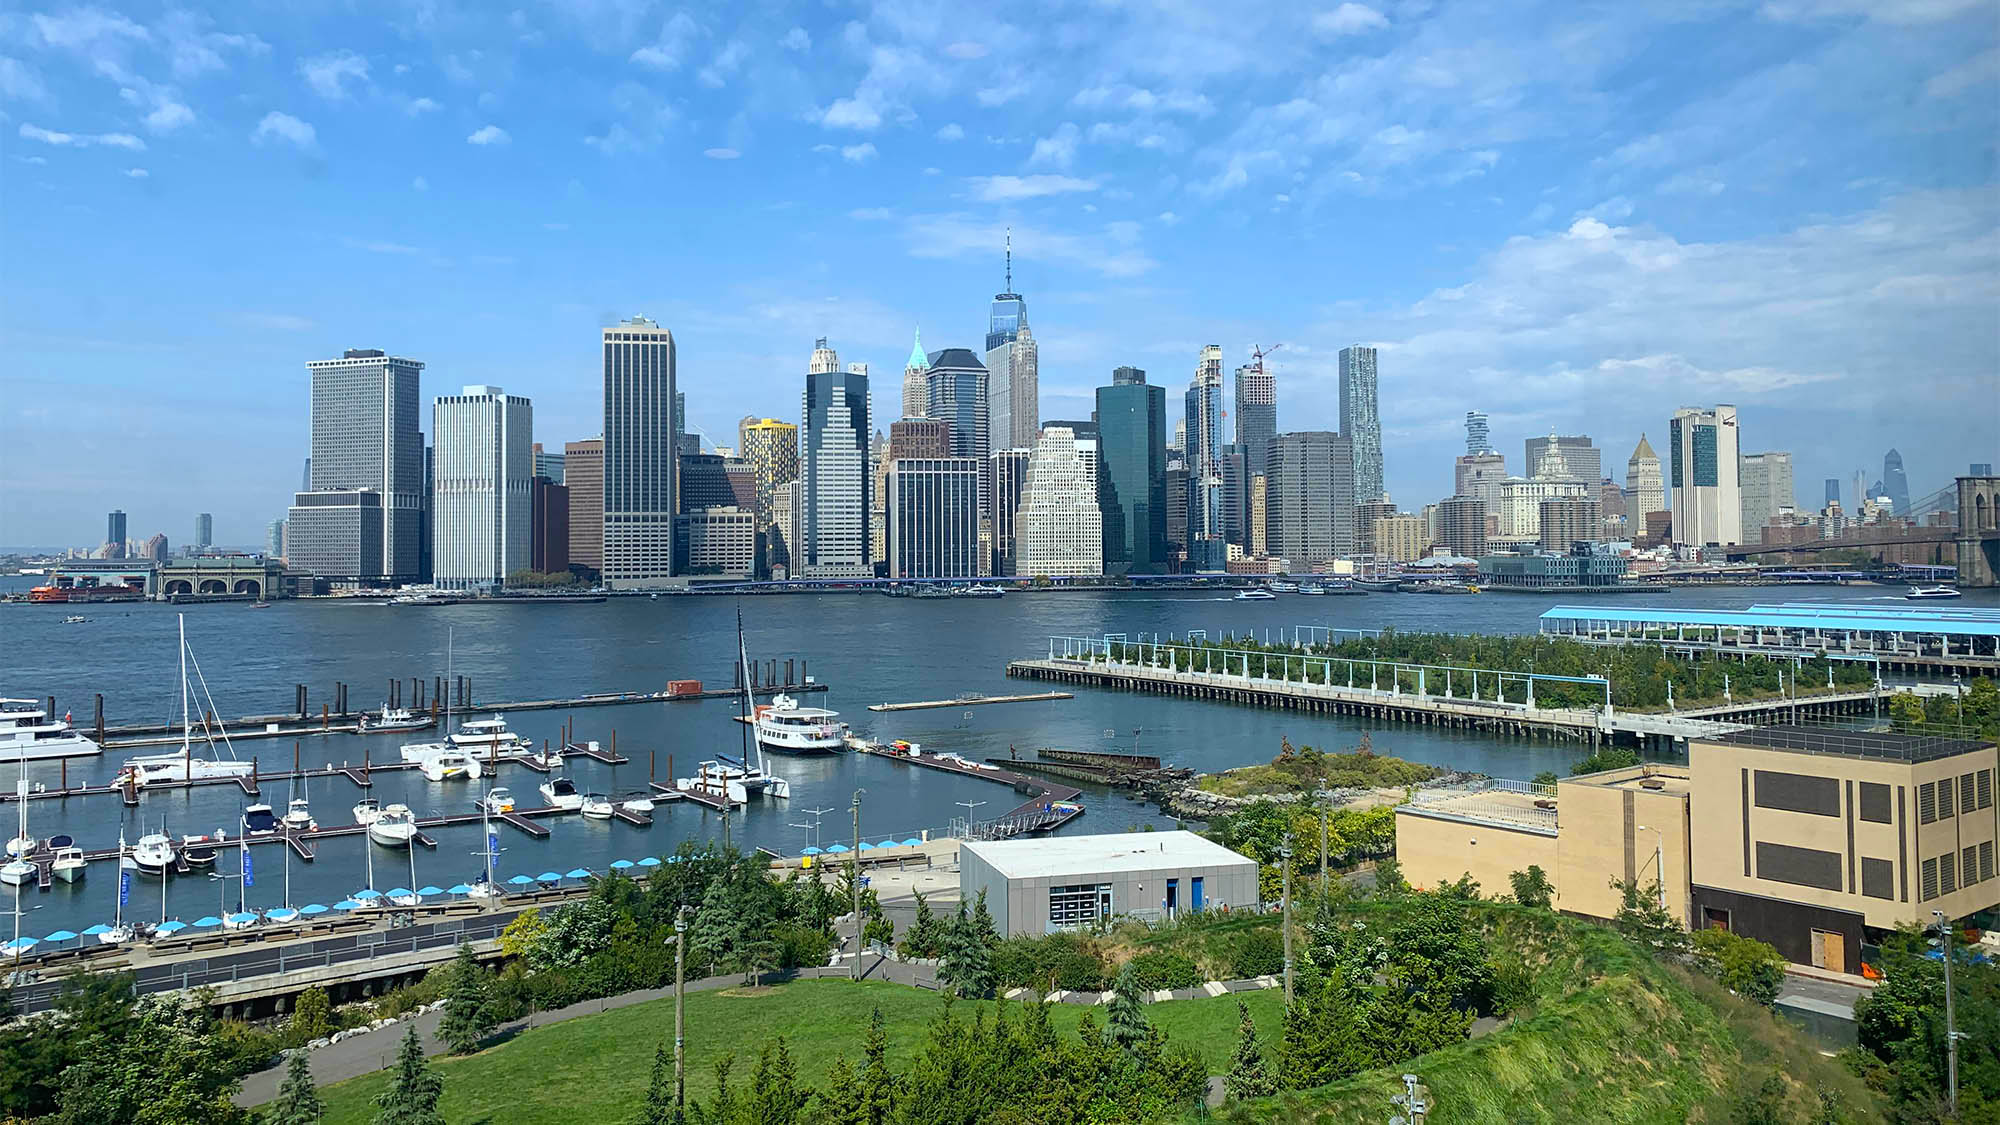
pixel 1576 217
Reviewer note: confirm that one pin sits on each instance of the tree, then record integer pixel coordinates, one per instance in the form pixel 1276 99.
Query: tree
pixel 468 1006
pixel 524 933
pixel 1750 968
pixel 1905 709
pixel 659 1107
pixel 877 1084
pixel 839 1101
pixel 925 937
pixel 298 1099
pixel 1247 1076
pixel 1609 758
pixel 1642 918
pixel 166 1069
pixel 1546 777
pixel 1389 878
pixel 967 963
pixel 312 1016
pixel 1125 1023
pixel 1532 887
pixel 414 1088
pixel 776 1098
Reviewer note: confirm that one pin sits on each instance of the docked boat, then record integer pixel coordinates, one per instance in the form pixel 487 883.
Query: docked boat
pixel 153 854
pixel 982 590
pixel 931 592
pixel 561 793
pixel 185 766
pixel 28 733
pixel 738 780
pixel 498 799
pixel 597 806
pixel 1255 595
pixel 198 852
pixel 784 725
pixel 299 817
pixel 486 734
pixel 69 864
pixel 450 762
pixel 18 870
pixel 261 820
pixel 395 719
pixel 1283 587
pixel 1927 593
pixel 395 827
pixel 366 811
pixel 639 804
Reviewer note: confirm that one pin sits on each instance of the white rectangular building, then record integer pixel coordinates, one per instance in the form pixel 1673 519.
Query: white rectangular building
pixel 1065 882
pixel 1703 473
pixel 483 490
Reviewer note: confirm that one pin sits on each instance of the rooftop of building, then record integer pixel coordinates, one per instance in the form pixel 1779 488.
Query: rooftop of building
pixel 1892 745
pixel 956 358
pixel 1121 851
pixel 1810 616
pixel 1652 777
pixel 1516 805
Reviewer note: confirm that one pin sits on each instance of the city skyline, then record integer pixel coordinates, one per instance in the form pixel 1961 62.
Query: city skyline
pixel 1551 243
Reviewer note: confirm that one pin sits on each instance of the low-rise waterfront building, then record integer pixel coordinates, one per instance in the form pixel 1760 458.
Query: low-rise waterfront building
pixel 1072 882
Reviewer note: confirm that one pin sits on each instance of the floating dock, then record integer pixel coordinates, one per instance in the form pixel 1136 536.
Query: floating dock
pixel 1049 805
pixel 971 701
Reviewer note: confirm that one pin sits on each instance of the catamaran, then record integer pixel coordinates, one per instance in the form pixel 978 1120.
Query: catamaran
pixel 184 766
pixel 737 780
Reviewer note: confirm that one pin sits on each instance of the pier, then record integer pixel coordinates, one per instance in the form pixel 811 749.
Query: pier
pixel 970 701
pixel 1049 805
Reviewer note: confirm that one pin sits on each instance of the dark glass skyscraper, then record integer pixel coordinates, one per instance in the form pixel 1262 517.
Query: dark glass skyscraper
pixel 1132 473
pixel 1895 483
pixel 1256 416
pixel 957 394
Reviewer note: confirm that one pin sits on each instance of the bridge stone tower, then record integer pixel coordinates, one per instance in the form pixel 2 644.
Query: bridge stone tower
pixel 1978 539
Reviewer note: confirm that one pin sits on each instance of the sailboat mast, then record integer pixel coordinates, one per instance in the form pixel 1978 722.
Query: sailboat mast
pixel 749 700
pixel 187 727
pixel 118 911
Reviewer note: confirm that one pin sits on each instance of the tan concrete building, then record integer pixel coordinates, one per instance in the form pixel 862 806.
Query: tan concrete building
pixel 1402 538
pixel 1807 838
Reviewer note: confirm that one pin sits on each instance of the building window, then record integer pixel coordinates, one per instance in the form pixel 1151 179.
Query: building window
pixel 1967 799
pixel 1929 888
pixel 1986 861
pixel 1875 803
pixel 1968 864
pixel 1079 905
pixel 1878 878
pixel 1798 792
pixel 1985 789
pixel 1947 874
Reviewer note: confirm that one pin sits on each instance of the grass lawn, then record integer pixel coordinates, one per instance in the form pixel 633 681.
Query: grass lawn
pixel 595 1068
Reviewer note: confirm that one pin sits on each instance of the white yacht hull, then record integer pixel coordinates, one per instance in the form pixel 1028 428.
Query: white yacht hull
pixel 69 873
pixel 71 745
pixel 392 835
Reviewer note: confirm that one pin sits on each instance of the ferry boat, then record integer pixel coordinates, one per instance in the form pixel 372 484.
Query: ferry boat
pixel 394 827
pixel 1925 593
pixel 1283 587
pixel 784 725
pixel 394 719
pixel 982 590
pixel 1255 595
pixel 28 733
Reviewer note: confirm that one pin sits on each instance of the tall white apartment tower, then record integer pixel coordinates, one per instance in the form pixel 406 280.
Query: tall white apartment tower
pixel 1703 471
pixel 834 530
pixel 1361 420
pixel 482 487
pixel 641 471
pixel 1058 529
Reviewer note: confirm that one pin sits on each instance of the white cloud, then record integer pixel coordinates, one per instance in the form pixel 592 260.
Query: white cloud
pixel 420 184
pixel 1058 148
pixel 1168 218
pixel 19 82
pixel 169 116
pixel 1001 94
pixel 725 63
pixel 329 74
pixel 871 214
pixel 283 127
pixel 1004 189
pixel 720 153
pixel 32 159
pixel 796 40
pixel 136 173
pixel 852 113
pixel 642 120
pixel 950 132
pixel 488 135
pixel 669 50
pixel 1349 19
pixel 1902 12
pixel 1113 253
pixel 858 154
pixel 86 27
pixel 420 106
pixel 194 50
pixel 81 140
pixel 1982 68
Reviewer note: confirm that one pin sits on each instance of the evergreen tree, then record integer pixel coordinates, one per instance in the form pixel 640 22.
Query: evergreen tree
pixel 776 1098
pixel 1247 1076
pixel 840 1101
pixel 982 922
pixel 468 1007
pixel 1321 1042
pixel 924 938
pixel 877 1083
pixel 414 1088
pixel 312 1017
pixel 1125 1024
pixel 726 1107
pixel 298 1099
pixel 966 966
pixel 659 1107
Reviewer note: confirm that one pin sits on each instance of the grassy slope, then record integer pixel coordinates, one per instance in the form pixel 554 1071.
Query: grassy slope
pixel 595 1068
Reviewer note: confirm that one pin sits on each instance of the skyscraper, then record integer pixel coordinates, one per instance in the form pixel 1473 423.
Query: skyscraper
pixel 1645 485
pixel 1058 530
pixel 1462 526
pixel 1896 484
pixel 1708 500
pixel 482 526
pixel 1767 490
pixel 1132 473
pixel 933 514
pixel 1832 490
pixel 204 531
pixel 548 534
pixel 772 449
pixel 684 441
pixel 1361 419
pixel 583 475
pixel 1013 367
pixel 114 535
pixel 1478 436
pixel 833 471
pixel 548 465
pixel 1008 470
pixel 1207 542
pixel 1480 474
pixel 641 469
pixel 366 437
pixel 916 387
pixel 957 387
pixel 1309 498
pixel 1256 412
pixel 274 539
pixel 1581 460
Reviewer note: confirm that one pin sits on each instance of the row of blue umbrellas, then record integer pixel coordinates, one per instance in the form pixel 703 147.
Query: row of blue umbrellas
pixel 841 849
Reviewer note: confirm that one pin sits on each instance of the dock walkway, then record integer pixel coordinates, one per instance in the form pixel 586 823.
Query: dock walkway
pixel 1049 805
pixel 971 701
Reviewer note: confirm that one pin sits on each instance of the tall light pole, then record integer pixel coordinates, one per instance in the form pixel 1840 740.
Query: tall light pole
pixel 969 806
pixel 680 1005
pixel 1950 1021
pixel 1325 799
pixel 854 877
pixel 1659 862
pixel 1285 856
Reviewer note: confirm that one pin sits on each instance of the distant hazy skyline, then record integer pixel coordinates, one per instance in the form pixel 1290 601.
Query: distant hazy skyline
pixel 1574 218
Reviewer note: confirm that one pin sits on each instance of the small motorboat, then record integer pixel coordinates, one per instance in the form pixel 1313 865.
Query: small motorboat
pixel 75 619
pixel 21 845
pixel 498 799
pixel 299 817
pixel 597 806
pixel 546 759
pixel 395 827
pixel 395 718
pixel 69 864
pixel 1256 595
pixel 199 855
pixel 261 820
pixel 16 872
pixel 561 793
pixel 1926 593
pixel 116 935
pixel 639 804
pixel 260 605
pixel 366 811
pixel 450 762
pixel 154 854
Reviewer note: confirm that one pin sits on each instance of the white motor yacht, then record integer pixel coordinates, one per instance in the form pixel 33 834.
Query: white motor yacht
pixel 395 827
pixel 299 817
pixel 639 804
pixel 485 734
pixel 29 733
pixel 1926 593
pixel 16 872
pixel 1255 595
pixel 597 806
pixel 416 752
pixel 561 793
pixel 69 864
pixel 394 719
pixel 498 799
pixel 450 762
pixel 261 820
pixel 784 725
pixel 153 854
pixel 366 810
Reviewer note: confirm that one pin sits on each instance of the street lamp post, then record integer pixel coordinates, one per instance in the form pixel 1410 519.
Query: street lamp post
pixel 1285 855
pixel 854 877
pixel 1950 1021
pixel 680 1005
pixel 1659 862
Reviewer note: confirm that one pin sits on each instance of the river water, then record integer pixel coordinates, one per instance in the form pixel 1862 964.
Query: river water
pixel 867 648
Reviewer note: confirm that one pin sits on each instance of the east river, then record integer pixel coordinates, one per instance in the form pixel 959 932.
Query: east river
pixel 867 648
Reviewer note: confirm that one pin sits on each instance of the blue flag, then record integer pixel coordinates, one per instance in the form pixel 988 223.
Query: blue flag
pixel 492 842
pixel 247 880
pixel 124 888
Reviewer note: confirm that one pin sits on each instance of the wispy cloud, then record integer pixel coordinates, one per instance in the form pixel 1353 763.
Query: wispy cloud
pixel 1113 252
pixel 283 127
pixel 951 132
pixel 1006 189
pixel 329 75
pixel 136 173
pixel 720 153
pixel 420 106
pixel 81 140
pixel 871 214
pixel 858 154
pixel 1349 19
pixel 670 48
pixel 488 135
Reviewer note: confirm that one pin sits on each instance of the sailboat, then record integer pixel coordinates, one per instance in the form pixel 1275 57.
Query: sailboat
pixel 486 888
pixel 243 919
pixel 184 766
pixel 18 870
pixel 120 932
pixel 737 779
pixel 285 915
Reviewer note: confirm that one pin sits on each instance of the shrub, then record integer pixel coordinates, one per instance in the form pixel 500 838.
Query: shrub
pixel 801 946
pixel 1071 961
pixel 1157 970
pixel 1256 953
pixel 1750 968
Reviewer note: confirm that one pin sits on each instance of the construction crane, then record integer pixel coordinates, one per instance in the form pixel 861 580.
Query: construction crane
pixel 1258 352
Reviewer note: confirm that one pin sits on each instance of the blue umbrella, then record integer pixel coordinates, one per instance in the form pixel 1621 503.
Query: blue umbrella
pixel 22 944
pixel 364 896
pixel 240 919
pixel 60 935
pixel 520 880
pixel 428 891
pixel 810 851
pixel 866 846
pixel 173 927
pixel 205 921
pixel 649 861
pixel 399 892
pixel 548 877
pixel 347 904
pixel 622 864
pixel 100 928
pixel 459 889
pixel 836 849
pixel 913 842
pixel 577 873
pixel 312 908
pixel 888 844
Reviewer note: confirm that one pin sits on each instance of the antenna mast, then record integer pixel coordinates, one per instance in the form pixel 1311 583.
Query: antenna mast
pixel 1010 259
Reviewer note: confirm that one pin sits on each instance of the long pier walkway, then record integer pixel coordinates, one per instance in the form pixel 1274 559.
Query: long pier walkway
pixel 970 701
pixel 1049 805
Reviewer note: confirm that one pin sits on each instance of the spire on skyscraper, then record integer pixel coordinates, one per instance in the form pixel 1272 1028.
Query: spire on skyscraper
pixel 918 360
pixel 1010 259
